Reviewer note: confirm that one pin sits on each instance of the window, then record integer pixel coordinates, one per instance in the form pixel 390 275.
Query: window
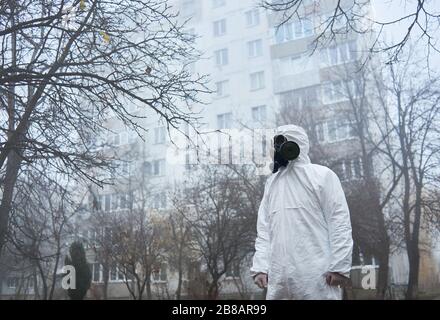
pixel 219 28
pixel 111 202
pixel 221 57
pixel 354 89
pixel 160 273
pixel 299 98
pixel 188 8
pixel 147 168
pixel 118 139
pixel 222 88
pixel 115 274
pixel 107 202
pixel 12 282
pixel 259 114
pixel 252 18
pixel 115 202
pixel 257 80
pixel 255 48
pixel 218 3
pixel 92 238
pixel 160 201
pixel 124 201
pixel 132 136
pixel 224 121
pixel 349 169
pixel 295 64
pixel 333 130
pixel 158 167
pixel 123 168
pixel 320 132
pixel 96 272
pixel 294 30
pixel 339 54
pixel 333 92
pixel 159 135
pixel 338 91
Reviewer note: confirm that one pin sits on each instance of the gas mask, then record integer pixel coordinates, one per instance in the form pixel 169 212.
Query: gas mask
pixel 285 151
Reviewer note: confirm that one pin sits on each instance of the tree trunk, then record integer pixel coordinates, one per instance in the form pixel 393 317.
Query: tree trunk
pixel 54 275
pixel 12 169
pixel 148 288
pixel 413 250
pixel 180 275
pixel 43 281
pixel 13 164
pixel 105 276
pixel 382 283
pixel 213 290
pixel 413 276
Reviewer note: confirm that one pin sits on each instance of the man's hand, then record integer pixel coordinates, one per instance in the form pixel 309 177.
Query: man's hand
pixel 335 279
pixel 261 280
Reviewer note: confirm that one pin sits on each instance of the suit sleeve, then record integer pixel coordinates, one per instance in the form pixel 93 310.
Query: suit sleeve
pixel 339 226
pixel 262 245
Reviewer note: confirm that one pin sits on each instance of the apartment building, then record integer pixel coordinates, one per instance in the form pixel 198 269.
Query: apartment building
pixel 262 74
pixel 256 69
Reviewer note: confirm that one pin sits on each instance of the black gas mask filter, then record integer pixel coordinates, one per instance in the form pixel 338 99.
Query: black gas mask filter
pixel 285 151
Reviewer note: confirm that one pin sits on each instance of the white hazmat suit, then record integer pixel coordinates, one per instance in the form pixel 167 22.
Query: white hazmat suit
pixel 303 227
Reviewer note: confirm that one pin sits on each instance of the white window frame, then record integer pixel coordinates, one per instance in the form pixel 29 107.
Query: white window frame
pixel 119 139
pixel 100 275
pixel 188 8
pixel 334 55
pixel 222 88
pixel 160 274
pixel 294 30
pixel 219 27
pixel 120 277
pixel 338 91
pixel 160 165
pixel 258 110
pixel 252 18
pixel 221 57
pixel 343 131
pixel 160 201
pixel 160 135
pixel 347 164
pixel 255 48
pixel 12 282
pixel 257 80
pixel 224 120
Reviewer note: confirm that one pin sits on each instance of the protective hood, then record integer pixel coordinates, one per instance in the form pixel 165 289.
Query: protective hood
pixel 298 135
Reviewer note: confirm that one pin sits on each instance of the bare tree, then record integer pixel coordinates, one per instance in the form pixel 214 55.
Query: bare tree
pixel 409 128
pixel 179 253
pixel 222 232
pixel 131 234
pixel 339 17
pixel 65 67
pixel 40 224
pixel 140 249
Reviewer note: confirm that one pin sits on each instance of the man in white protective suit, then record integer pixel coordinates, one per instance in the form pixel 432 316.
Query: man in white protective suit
pixel 304 243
